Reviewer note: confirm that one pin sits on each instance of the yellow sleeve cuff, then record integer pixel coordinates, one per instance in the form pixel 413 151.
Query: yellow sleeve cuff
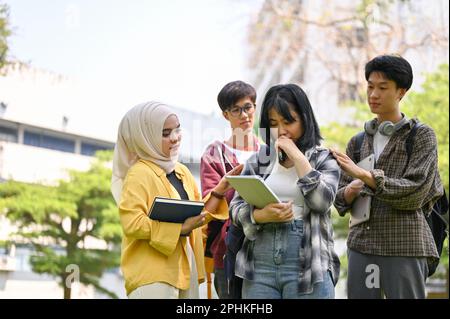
pixel 165 237
pixel 221 212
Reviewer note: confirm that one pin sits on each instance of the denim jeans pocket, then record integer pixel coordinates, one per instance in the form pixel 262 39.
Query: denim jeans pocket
pixel 296 227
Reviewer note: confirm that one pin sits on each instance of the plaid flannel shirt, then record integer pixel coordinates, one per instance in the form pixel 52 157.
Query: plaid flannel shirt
pixel 403 194
pixel 319 189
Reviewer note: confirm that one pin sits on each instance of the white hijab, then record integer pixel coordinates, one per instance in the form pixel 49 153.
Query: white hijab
pixel 140 137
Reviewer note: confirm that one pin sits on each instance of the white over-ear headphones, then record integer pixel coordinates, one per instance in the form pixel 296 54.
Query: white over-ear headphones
pixel 386 128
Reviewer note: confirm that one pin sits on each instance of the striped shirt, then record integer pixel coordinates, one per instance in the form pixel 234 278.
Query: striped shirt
pixel 319 189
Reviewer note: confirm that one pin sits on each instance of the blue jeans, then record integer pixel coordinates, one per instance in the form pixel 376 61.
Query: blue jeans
pixel 277 265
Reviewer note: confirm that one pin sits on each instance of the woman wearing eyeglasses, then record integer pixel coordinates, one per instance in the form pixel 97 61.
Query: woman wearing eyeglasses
pixel 159 259
pixel 288 251
pixel 237 102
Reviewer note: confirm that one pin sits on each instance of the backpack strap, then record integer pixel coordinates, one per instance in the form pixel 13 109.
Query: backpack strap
pixel 358 143
pixel 410 141
pixel 441 209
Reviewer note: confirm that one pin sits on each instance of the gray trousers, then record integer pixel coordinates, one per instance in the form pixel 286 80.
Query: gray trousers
pixel 375 277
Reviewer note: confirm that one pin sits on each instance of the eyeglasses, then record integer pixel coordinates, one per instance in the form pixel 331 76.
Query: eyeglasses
pixel 236 111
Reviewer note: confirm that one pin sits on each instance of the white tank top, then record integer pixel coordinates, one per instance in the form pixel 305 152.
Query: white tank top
pixel 283 182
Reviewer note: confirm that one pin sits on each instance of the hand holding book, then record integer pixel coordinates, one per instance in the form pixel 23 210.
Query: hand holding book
pixel 191 223
pixel 185 212
pixel 274 213
pixel 174 210
pixel 351 192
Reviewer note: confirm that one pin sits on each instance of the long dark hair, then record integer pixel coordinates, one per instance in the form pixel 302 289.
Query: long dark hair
pixel 283 98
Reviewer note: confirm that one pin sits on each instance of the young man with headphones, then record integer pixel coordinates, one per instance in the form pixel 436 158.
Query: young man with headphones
pixel 388 254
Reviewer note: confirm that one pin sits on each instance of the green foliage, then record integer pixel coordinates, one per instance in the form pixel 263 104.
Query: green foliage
pixel 340 224
pixel 5 32
pixel 344 265
pixel 66 216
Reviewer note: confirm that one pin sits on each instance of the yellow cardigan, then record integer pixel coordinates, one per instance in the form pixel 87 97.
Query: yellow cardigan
pixel 153 251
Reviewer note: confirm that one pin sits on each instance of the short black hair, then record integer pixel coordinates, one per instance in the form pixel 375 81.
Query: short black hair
pixel 394 68
pixel 283 98
pixel 233 92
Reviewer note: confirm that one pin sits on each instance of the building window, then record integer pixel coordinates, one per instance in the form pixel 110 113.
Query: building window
pixel 50 142
pixel 90 149
pixel 8 134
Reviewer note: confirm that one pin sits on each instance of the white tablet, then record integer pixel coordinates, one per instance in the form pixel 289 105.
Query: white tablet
pixel 360 211
pixel 253 190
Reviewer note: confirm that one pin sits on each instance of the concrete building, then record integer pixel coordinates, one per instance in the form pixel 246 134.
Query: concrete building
pixel 40 147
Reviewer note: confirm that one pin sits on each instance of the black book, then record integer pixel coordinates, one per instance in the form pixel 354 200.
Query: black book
pixel 174 210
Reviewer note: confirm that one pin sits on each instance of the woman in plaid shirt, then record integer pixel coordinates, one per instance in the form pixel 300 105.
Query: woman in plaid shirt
pixel 288 251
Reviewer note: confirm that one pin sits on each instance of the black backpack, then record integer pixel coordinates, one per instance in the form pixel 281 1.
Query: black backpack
pixel 436 219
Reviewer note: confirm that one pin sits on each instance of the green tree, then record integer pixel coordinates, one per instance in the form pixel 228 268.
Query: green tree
pixel 5 32
pixel 58 221
pixel 286 37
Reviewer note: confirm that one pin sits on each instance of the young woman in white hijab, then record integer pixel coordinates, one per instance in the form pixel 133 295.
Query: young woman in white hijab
pixel 159 259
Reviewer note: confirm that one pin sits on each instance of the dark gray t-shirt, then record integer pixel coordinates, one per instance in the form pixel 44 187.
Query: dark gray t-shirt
pixel 173 179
